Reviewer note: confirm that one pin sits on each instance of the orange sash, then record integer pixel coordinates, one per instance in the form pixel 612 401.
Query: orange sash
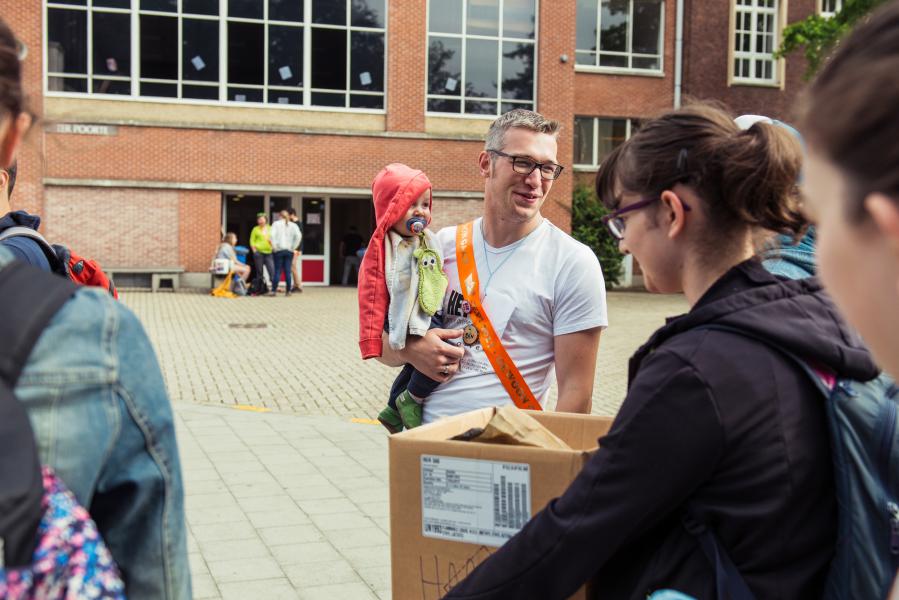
pixel 505 369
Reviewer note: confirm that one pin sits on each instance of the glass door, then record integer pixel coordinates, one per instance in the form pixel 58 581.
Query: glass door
pixel 276 204
pixel 314 218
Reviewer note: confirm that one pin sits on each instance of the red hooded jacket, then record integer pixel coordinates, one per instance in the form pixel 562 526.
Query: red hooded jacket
pixel 394 190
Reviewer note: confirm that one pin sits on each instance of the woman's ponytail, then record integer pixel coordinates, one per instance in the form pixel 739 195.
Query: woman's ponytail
pixel 760 169
pixel 746 179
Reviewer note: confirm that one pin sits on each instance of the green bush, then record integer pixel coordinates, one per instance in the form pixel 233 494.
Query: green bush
pixel 587 227
pixel 819 35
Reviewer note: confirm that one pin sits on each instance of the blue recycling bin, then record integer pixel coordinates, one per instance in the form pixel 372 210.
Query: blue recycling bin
pixel 242 252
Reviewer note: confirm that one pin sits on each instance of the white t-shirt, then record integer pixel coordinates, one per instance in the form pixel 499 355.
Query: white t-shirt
pixel 544 285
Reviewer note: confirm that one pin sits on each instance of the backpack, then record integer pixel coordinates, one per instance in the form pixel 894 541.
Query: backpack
pixel 49 546
pixel 63 261
pixel 863 419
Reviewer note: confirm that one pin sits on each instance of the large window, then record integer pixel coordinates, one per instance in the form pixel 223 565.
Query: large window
pixel 596 137
pixel 620 34
pixel 829 8
pixel 481 55
pixel 755 37
pixel 72 33
pixel 287 52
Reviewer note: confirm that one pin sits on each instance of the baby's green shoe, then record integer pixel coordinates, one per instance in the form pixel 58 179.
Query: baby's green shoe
pixel 391 419
pixel 410 410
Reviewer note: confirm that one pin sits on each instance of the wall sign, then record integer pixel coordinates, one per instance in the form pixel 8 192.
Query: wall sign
pixel 84 129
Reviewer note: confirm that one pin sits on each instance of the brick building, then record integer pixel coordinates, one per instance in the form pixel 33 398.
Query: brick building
pixel 165 122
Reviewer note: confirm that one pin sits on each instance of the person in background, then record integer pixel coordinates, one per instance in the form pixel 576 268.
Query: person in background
pixel 286 239
pixel 261 245
pixel 297 263
pixel 349 248
pixel 226 250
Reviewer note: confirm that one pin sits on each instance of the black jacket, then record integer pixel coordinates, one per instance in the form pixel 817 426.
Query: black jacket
pixel 712 418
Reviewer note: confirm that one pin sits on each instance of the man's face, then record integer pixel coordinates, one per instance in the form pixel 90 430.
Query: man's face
pixel 856 261
pixel 516 196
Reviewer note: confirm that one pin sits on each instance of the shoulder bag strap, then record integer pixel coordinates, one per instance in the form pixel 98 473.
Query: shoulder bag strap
pixel 50 252
pixel 505 369
pixel 729 584
pixel 29 298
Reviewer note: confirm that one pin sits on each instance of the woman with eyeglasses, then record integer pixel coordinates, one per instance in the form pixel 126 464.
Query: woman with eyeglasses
pixel 722 440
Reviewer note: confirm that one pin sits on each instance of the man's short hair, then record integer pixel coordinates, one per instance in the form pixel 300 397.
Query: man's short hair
pixel 292 211
pixel 522 119
pixel 11 171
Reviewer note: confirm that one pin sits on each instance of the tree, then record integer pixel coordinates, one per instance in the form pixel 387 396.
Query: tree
pixel 818 34
pixel 587 227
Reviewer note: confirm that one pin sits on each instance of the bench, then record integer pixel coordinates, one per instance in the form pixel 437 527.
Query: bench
pixel 157 275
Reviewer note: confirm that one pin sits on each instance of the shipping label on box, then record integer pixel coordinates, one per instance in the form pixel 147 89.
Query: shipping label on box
pixel 475 501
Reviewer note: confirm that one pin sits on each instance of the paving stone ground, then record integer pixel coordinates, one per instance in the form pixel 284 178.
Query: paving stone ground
pixel 305 360
pixel 286 496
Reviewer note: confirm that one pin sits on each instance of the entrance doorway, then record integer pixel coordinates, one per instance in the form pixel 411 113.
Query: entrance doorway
pixel 324 222
pixel 349 212
pixel 240 212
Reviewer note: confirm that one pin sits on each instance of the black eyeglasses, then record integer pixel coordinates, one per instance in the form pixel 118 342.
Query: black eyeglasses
pixel 526 166
pixel 616 224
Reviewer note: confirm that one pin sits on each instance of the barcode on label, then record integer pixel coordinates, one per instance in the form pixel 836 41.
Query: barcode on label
pixel 478 501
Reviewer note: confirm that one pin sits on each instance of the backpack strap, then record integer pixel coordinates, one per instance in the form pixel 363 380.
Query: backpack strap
pixel 729 584
pixel 57 265
pixel 29 298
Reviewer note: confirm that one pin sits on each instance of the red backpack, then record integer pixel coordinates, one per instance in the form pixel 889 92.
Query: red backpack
pixel 63 261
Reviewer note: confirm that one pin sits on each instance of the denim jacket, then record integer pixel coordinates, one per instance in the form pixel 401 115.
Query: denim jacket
pixel 102 419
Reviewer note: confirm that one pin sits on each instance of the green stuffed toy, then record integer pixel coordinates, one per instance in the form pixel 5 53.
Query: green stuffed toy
pixel 431 280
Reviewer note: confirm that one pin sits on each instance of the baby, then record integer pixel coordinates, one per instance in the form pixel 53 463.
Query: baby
pixel 401 284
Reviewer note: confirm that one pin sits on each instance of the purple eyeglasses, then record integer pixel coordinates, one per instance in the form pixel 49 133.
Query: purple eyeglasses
pixel 615 223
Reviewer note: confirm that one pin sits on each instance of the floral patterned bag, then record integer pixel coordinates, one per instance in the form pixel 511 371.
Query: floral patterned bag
pixel 71 562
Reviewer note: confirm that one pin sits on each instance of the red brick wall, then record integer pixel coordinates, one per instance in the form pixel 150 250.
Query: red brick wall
pixel 256 158
pixel 452 211
pixel 119 227
pixel 407 52
pixel 555 96
pixel 707 39
pixel 606 95
pixel 199 228
pixel 25 20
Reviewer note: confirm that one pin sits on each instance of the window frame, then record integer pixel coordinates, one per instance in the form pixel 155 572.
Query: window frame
pixel 778 64
pixel 596 68
pixel 222 84
pixel 500 39
pixel 826 13
pixel 594 166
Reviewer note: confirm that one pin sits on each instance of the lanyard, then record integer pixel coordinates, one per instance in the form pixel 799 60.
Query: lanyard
pixel 505 369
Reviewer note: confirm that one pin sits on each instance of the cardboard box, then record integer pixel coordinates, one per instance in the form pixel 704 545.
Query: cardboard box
pixel 453 503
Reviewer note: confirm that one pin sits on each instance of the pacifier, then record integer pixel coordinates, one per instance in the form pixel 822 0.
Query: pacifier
pixel 416 224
